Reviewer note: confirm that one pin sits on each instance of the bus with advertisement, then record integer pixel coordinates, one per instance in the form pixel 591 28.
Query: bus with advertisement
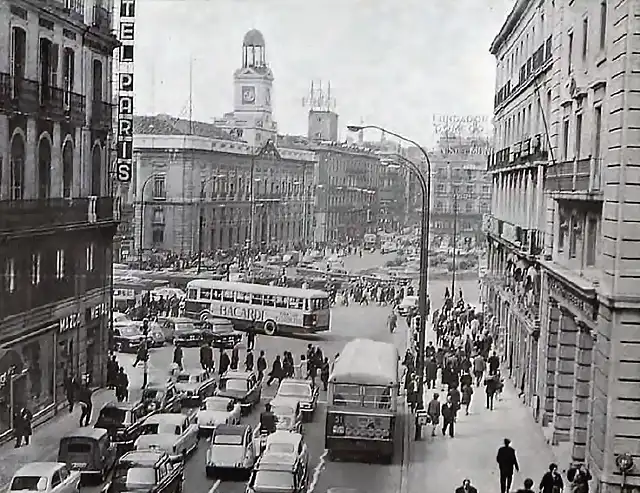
pixel 362 401
pixel 271 309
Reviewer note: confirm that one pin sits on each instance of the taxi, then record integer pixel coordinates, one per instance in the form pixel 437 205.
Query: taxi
pixel 45 477
pixel 303 391
pixel 241 386
pixel 193 386
pixel 286 442
pixel 284 473
pixel 146 471
pixel 89 451
pixel 175 434
pixel 288 414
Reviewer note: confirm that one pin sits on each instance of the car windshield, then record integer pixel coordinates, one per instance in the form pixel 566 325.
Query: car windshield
pixel 113 416
pixel 185 378
pixel 222 439
pixel 130 330
pixel 216 405
pixel 185 327
pixel 295 389
pixel 273 479
pixel 75 447
pixel 280 448
pixel 151 394
pixel 30 483
pixel 236 384
pixel 132 477
pixel 283 410
pixel 156 428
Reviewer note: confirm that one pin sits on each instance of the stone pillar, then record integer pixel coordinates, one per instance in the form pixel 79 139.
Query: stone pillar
pixel 582 397
pixel 553 327
pixel 565 379
pixel 5 158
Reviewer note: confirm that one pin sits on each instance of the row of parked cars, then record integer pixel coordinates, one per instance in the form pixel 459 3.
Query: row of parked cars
pixel 180 331
pixel 147 443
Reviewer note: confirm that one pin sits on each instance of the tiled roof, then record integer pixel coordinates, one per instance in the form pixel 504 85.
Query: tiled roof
pixel 169 125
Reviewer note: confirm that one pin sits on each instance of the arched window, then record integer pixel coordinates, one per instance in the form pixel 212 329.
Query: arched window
pixel 17 167
pixel 96 170
pixel 44 169
pixel 67 170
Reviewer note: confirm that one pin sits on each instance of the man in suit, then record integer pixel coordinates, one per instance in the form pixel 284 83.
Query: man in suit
pixel 507 461
pixel 448 417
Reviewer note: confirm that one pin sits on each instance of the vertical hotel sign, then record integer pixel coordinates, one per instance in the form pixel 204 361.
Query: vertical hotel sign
pixel 126 35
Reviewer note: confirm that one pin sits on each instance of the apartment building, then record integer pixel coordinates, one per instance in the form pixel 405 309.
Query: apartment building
pixel 57 217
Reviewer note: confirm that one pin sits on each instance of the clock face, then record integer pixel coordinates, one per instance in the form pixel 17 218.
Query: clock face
pixel 248 94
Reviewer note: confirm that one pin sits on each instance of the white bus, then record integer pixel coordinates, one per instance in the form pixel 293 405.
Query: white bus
pixel 271 309
pixel 362 400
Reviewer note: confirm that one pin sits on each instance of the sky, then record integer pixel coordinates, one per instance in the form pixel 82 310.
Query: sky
pixel 393 63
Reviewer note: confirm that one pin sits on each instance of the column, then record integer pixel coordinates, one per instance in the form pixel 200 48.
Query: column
pixel 553 327
pixel 30 165
pixel 56 169
pixel 5 158
pixel 582 397
pixel 565 380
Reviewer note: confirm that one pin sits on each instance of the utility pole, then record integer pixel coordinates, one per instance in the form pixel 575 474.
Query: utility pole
pixel 455 245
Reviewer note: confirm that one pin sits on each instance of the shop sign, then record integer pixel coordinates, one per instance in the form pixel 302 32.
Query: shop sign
pixel 69 322
pixel 98 311
pixel 6 376
pixel 509 232
pixel 124 135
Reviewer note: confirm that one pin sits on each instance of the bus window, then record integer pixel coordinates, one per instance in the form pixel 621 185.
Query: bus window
pixel 205 294
pixel 346 395
pixel 243 297
pixel 267 300
pixel 376 397
pixel 281 301
pixel 296 303
pixel 307 302
pixel 228 295
pixel 192 294
pixel 216 294
pixel 256 299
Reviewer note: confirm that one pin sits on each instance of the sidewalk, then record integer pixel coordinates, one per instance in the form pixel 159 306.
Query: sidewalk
pixel 441 463
pixel 46 438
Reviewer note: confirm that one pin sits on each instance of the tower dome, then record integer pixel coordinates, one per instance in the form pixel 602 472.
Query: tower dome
pixel 253 38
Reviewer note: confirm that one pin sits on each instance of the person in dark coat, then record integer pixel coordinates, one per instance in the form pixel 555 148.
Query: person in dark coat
pixel 276 371
pixel 206 357
pixel 528 486
pixel 84 398
pixel 248 361
pixel 579 476
pixel 177 357
pixel 225 363
pixel 551 480
pixel 448 411
pixel 261 365
pixel 22 426
pixel 251 340
pixel 507 462
pixel 455 397
pixel 431 371
pixel 122 385
pixel 235 357
pixel 466 487
pixel 491 387
pixel 494 364
pixel 70 385
pixel 324 374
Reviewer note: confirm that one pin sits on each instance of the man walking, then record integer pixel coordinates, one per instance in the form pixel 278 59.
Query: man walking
pixel 507 461
pixel 448 417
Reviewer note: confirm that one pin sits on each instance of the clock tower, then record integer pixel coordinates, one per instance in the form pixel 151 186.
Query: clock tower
pixel 253 85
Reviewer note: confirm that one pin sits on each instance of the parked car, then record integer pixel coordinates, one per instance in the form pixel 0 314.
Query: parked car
pixel 221 334
pixel 193 386
pixel 122 420
pixel 231 448
pixel 175 434
pixel 303 391
pixel 216 411
pixel 146 471
pixel 161 397
pixel 88 450
pixel 45 477
pixel 242 387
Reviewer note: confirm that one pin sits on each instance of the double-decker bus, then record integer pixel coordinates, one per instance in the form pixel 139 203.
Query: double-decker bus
pixel 272 309
pixel 362 400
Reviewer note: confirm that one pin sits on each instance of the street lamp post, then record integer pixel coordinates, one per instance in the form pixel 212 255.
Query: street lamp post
pixel 425 185
pixel 455 246
pixel 144 185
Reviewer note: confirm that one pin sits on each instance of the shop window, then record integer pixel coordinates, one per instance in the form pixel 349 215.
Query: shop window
pixel 574 235
pixel 10 275
pixel 60 264
pixel 35 269
pixel 562 230
pixel 90 257
pixel 157 236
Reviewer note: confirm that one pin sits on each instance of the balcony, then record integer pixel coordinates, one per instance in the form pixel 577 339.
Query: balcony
pixel 528 151
pixel 573 176
pixel 101 115
pixel 102 19
pixel 52 103
pixel 26 216
pixel 538 62
pixel 268 197
pixel 75 108
pixel 19 95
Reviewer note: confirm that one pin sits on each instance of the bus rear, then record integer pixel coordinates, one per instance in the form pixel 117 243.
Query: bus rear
pixel 370 242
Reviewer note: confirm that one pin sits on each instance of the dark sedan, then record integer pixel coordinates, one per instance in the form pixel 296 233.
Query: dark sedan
pixel 242 387
pixel 188 332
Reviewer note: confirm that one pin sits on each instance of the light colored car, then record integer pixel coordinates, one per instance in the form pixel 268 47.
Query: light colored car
pixel 45 477
pixel 217 411
pixel 288 413
pixel 120 317
pixel 231 448
pixel 286 442
pixel 175 434
pixel 284 473
pixel 408 306
pixel 303 391
pixel 389 248
pixel 194 383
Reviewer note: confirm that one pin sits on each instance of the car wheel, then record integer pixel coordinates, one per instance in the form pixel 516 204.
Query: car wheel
pixel 270 327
